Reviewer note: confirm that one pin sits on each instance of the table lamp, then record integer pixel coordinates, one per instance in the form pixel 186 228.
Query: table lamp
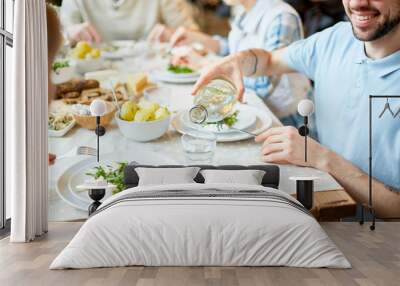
pixel 305 185
pixel 305 109
pixel 97 189
pixel 98 108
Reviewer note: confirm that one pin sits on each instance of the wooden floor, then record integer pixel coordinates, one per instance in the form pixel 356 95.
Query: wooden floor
pixel 375 257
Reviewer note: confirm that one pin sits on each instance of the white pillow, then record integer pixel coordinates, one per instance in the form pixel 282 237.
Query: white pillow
pixel 166 176
pixel 246 177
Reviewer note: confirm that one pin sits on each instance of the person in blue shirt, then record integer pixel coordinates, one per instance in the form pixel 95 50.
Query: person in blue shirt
pixel 265 24
pixel 348 62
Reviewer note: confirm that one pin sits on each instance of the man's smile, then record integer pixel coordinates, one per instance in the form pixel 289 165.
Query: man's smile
pixel 364 19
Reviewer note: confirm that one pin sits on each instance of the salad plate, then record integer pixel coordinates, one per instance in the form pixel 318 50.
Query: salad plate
pixel 181 72
pixel 182 75
pixel 178 78
pixel 245 120
pixel 263 122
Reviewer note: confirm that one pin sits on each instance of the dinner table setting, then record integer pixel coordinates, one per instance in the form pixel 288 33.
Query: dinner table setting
pixel 146 119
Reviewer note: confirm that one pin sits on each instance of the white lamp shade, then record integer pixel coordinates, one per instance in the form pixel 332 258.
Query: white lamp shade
pixel 98 107
pixel 305 107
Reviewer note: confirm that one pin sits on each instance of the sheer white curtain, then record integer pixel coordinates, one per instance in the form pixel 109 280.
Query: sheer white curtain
pixel 27 123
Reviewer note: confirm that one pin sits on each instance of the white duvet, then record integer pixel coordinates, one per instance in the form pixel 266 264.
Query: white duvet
pixel 201 231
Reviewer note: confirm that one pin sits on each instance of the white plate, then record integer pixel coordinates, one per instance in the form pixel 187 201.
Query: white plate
pixel 62 75
pixel 67 183
pixel 263 122
pixel 89 65
pixel 62 132
pixel 124 43
pixel 166 76
pixel 125 49
pixel 246 119
pixel 180 75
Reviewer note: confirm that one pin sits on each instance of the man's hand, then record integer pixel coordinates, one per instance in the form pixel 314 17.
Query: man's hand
pixel 190 58
pixel 160 33
pixel 228 68
pixel 284 145
pixel 52 159
pixel 250 63
pixel 84 32
pixel 184 36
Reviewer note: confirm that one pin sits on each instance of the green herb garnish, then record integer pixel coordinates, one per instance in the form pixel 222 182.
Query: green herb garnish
pixel 113 175
pixel 59 65
pixel 179 69
pixel 228 121
pixel 231 120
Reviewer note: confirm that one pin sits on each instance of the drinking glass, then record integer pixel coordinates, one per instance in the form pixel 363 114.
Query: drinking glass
pixel 199 146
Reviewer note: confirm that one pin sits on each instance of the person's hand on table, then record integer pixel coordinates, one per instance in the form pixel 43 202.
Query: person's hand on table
pixel 52 159
pixel 160 33
pixel 284 145
pixel 84 32
pixel 189 57
pixel 228 68
pixel 184 36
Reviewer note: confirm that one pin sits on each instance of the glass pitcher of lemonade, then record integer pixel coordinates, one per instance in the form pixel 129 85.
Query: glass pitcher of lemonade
pixel 213 102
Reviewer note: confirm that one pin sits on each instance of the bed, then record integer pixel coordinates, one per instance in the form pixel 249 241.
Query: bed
pixel 201 224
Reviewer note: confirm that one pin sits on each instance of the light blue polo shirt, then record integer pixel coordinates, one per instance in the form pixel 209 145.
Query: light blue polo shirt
pixel 344 78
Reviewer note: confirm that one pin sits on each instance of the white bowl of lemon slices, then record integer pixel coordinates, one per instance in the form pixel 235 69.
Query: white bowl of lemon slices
pixel 86 58
pixel 143 121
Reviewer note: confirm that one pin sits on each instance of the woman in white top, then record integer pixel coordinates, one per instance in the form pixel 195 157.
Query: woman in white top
pixel 108 20
pixel 266 24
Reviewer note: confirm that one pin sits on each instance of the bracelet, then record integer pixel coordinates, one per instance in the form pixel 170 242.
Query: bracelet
pixel 256 61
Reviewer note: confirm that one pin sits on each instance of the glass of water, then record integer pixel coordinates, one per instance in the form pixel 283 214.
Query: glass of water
pixel 199 146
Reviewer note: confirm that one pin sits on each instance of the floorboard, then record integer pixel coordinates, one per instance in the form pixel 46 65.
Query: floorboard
pixel 375 257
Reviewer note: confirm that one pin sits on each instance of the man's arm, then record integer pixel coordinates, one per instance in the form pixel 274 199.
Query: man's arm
pixel 250 63
pixel 285 145
pixel 259 62
pixel 301 56
pixel 385 200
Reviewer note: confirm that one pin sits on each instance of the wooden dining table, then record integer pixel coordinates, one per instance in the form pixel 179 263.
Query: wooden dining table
pixel 330 200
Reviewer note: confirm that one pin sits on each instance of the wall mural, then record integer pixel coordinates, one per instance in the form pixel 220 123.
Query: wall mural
pixel 137 94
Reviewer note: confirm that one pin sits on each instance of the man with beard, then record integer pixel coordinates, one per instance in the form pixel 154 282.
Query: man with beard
pixel 348 62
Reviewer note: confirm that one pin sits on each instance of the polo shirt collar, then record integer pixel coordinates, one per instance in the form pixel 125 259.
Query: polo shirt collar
pixel 382 67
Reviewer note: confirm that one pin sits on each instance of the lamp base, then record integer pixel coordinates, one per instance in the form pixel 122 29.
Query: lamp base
pixel 305 193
